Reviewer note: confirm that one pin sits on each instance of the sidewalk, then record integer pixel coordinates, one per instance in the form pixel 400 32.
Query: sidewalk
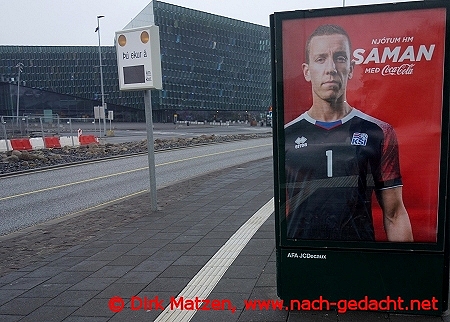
pixel 69 269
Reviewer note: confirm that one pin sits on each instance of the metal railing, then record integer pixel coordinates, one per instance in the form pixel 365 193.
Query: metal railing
pixel 30 126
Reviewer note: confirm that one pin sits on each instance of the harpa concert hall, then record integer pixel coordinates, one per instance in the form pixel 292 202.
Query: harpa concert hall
pixel 213 68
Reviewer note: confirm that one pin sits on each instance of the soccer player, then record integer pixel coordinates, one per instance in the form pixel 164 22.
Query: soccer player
pixel 336 156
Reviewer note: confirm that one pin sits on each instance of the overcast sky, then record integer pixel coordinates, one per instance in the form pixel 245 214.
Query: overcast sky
pixel 73 22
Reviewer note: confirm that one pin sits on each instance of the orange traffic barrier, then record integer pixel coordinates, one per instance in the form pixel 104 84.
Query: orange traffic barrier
pixel 21 144
pixel 87 139
pixel 52 142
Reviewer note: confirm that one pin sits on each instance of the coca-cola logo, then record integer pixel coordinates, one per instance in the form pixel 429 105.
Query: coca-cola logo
pixel 405 69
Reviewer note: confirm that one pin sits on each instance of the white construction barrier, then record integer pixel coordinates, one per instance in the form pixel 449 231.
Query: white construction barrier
pixel 69 141
pixel 37 143
pixel 5 145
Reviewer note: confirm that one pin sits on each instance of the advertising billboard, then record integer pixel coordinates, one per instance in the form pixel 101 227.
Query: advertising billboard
pixel 361 140
pixel 360 117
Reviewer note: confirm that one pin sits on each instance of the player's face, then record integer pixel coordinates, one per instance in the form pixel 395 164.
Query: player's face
pixel 329 67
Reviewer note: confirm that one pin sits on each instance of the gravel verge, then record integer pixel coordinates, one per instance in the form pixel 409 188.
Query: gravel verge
pixel 19 161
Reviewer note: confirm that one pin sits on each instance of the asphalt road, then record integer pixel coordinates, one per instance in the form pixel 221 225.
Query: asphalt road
pixel 26 200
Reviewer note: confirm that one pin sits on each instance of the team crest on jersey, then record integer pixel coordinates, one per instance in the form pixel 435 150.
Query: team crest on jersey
pixel 300 142
pixel 359 139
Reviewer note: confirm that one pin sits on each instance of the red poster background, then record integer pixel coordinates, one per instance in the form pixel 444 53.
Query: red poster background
pixel 412 103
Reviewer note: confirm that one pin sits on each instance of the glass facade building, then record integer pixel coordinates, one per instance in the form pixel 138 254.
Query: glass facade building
pixel 64 79
pixel 213 67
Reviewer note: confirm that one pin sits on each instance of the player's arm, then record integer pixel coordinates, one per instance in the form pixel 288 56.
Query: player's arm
pixel 395 217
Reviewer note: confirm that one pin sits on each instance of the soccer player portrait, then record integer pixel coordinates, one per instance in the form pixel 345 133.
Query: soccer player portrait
pixel 336 156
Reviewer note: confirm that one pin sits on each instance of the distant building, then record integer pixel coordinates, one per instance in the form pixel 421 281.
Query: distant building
pixel 213 68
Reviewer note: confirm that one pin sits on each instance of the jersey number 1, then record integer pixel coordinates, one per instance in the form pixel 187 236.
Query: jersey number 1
pixel 329 154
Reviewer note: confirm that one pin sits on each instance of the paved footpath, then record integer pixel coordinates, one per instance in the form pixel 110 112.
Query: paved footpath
pixel 73 269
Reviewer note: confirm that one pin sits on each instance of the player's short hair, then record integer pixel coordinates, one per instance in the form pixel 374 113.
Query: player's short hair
pixel 326 30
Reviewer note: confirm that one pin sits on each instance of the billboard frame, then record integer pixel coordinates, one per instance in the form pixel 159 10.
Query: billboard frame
pixel 437 250
pixel 278 103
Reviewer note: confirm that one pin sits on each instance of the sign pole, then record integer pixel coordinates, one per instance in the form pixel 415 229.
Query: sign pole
pixel 139 68
pixel 150 148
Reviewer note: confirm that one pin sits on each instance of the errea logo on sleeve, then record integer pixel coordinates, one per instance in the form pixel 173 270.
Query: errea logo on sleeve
pixel 300 142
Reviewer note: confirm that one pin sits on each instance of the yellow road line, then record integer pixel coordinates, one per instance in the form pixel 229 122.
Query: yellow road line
pixel 101 205
pixel 125 172
pixel 23 231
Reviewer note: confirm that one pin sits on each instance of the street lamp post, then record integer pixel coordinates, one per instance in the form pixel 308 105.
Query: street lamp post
pixel 20 68
pixel 101 72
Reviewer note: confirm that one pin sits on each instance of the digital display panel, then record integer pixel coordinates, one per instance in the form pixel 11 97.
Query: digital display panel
pixel 134 74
